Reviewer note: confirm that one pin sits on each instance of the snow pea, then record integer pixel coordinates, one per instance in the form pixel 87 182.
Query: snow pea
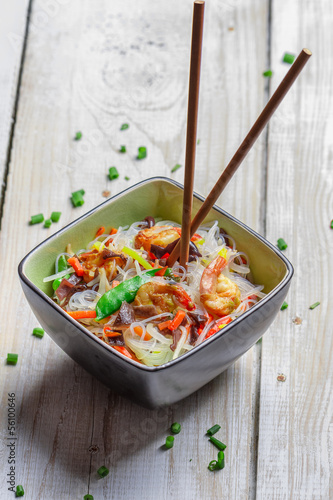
pixel 111 301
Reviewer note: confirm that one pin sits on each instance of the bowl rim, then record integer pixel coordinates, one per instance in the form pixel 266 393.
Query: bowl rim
pixel 286 279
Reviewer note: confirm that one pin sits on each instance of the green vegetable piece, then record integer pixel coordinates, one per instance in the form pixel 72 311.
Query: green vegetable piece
pixel 198 142
pixel 36 219
pixel 124 126
pixel 48 223
pixel 176 428
pixel 127 178
pixel 12 358
pixel 103 471
pixel 332 224
pixel 176 167
pixel 284 306
pixel 169 442
pixel 267 73
pixel 62 264
pixel 142 153
pixel 113 173
pixel 212 465
pixel 77 198
pixel 281 244
pixel 213 430
pixel 55 216
pixel 313 306
pixel 88 497
pixel 38 332
pixel 288 58
pixel 78 136
pixel 220 460
pixel 219 445
pixel 56 283
pixel 122 149
pixel 126 291
pixel 19 491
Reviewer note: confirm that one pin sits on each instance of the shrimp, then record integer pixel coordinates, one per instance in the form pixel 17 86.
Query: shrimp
pixel 218 294
pixel 156 235
pixel 165 297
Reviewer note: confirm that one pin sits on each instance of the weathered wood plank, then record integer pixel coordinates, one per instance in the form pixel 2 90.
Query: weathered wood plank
pixel 295 437
pixel 92 67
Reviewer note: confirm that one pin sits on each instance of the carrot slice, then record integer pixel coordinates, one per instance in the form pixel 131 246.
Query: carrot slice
pixel 115 283
pixel 76 265
pixel 162 271
pixel 113 230
pixel 122 350
pixel 82 314
pixel 138 331
pixel 177 320
pixel 100 231
pixel 164 324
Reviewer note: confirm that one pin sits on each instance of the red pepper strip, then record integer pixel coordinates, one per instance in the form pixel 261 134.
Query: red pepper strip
pixel 164 324
pixel 74 262
pixel 216 327
pixel 162 271
pixel 82 314
pixel 165 256
pixel 151 256
pixel 177 320
pixel 100 231
pixel 183 298
pixel 122 350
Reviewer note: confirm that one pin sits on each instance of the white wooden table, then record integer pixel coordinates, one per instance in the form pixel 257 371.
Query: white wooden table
pixel 91 66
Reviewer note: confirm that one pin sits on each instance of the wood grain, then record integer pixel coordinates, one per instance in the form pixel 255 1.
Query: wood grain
pixel 92 67
pixel 295 436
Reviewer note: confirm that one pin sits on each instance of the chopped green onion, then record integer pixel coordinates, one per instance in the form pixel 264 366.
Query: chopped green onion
pixel 126 178
pixel 12 358
pixel 56 283
pixel 175 168
pixel 213 430
pixel 198 142
pixel 284 306
pixel 313 306
pixel 103 471
pixel 288 58
pixel 77 198
pixel 19 491
pixel 212 465
pixel 124 126
pixel 48 223
pixel 55 216
pixel 38 332
pixel 88 497
pixel 268 73
pixel 113 173
pixel 142 153
pixel 176 428
pixel 220 460
pixel 122 149
pixel 332 224
pixel 78 136
pixel 281 244
pixel 169 442
pixel 36 219
pixel 219 445
pixel 62 263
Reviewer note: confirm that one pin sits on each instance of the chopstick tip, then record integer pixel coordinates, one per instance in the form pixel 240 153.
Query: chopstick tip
pixel 307 52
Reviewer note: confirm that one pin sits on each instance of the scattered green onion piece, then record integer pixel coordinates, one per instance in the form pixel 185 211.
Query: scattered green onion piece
pixel 127 178
pixel 288 58
pixel 124 126
pixel 56 283
pixel 78 136
pixel 12 358
pixel 19 491
pixel 48 223
pixel 113 173
pixel 332 224
pixel 198 142
pixel 88 497
pixel 103 471
pixel 220 460
pixel 213 430
pixel 313 306
pixel 38 332
pixel 142 153
pixel 212 465
pixel 175 168
pixel 77 198
pixel 284 306
pixel 176 428
pixel 122 149
pixel 55 216
pixel 169 442
pixel 36 219
pixel 62 263
pixel 219 445
pixel 281 244
pixel 268 73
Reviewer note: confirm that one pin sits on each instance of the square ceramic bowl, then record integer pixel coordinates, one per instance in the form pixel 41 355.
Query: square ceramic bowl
pixel 154 387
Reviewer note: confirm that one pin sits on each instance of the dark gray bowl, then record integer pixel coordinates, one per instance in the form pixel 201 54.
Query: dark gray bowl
pixel 153 387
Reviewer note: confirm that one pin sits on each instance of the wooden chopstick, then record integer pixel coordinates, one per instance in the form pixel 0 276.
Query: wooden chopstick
pixel 191 131
pixel 246 145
